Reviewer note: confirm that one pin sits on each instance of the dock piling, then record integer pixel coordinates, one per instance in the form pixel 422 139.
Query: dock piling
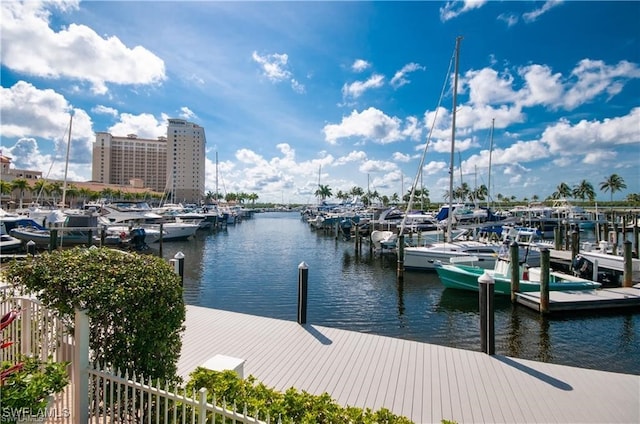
pixel 303 277
pixel 487 314
pixel 400 268
pixel 178 265
pixel 628 269
pixel 544 280
pixel 515 269
pixel 31 247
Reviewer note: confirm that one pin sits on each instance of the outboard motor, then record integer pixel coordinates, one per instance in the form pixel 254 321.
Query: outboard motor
pixel 136 241
pixel 582 267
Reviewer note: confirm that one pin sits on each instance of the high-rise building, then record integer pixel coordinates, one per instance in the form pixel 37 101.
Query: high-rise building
pixel 185 161
pixel 119 160
pixel 173 164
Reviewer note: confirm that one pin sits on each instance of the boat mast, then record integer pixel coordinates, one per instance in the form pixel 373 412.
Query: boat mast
pixel 493 121
pixel 66 163
pixel 217 196
pixel 453 137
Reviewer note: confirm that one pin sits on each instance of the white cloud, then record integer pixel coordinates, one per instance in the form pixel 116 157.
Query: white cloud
pixel 105 110
pixel 535 14
pixel 354 156
pixel 435 167
pixel 567 139
pixel 599 157
pixel 274 66
pixel 186 113
pixel 453 9
pixel 401 157
pixel 144 125
pixel 370 166
pixel 360 65
pixel 370 124
pixel 400 77
pixel 509 18
pixel 297 86
pixel 594 77
pixel 357 88
pixel 30 46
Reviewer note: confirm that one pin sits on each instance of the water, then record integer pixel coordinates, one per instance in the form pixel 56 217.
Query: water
pixel 252 268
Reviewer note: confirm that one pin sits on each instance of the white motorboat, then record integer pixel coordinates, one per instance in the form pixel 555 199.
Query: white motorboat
pixel 484 253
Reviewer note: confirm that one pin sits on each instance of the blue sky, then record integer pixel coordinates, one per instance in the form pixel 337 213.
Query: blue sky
pixel 351 89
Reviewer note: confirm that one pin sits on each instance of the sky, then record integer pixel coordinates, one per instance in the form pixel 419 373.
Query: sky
pixel 343 94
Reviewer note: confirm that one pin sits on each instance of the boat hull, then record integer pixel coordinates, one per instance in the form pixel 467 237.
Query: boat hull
pixel 464 277
pixel 425 258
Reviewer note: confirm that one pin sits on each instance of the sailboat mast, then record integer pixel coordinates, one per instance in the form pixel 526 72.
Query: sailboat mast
pixel 453 137
pixel 217 196
pixel 493 121
pixel 66 163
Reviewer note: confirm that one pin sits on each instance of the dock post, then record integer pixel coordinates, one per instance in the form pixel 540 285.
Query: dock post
pixel 636 237
pixel 90 238
pixel 515 270
pixel 544 280
pixel 160 240
pixel 594 277
pixel 487 315
pixel 565 224
pixel 53 239
pixel 357 239
pixel 31 247
pixel 337 231
pixel 178 265
pixel 575 244
pixel 303 277
pixel 400 257
pixel 628 269
pixel 615 237
pixel 557 238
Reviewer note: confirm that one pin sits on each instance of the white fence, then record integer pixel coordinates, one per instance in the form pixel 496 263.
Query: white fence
pixel 96 395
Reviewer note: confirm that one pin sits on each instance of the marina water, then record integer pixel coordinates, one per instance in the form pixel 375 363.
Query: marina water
pixel 252 268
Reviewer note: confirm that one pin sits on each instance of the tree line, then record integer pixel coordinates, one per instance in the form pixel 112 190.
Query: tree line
pixel 583 191
pixel 51 192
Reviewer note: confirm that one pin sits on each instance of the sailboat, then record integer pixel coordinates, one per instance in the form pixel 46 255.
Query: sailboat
pixel 424 257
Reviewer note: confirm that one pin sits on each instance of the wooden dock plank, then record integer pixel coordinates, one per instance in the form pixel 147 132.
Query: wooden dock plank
pixel 424 382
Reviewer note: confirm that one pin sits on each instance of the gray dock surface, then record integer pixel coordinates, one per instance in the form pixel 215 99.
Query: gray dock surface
pixel 424 382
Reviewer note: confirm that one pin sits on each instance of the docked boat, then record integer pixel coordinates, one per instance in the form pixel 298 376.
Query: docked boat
pixel 71 229
pixel 9 244
pixel 465 277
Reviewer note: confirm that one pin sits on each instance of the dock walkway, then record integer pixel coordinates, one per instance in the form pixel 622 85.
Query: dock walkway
pixel 424 382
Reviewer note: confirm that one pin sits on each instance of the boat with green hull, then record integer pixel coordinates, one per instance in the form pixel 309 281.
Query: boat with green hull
pixel 465 277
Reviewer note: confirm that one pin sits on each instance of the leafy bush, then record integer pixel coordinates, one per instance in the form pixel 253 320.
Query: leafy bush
pixel 134 304
pixel 292 406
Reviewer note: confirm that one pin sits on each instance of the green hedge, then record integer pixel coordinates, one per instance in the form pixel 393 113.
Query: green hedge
pixel 292 406
pixel 134 303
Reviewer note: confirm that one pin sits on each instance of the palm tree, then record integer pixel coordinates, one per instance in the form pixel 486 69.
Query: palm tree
pixel 584 190
pixel 253 197
pixel 356 191
pixel 54 188
pixel 20 184
pixel 395 198
pixel 563 190
pixel 613 183
pixel 5 188
pixel 72 192
pixel 40 187
pixel 323 191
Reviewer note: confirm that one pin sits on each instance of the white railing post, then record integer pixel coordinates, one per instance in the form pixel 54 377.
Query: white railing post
pixel 202 406
pixel 80 368
pixel 25 339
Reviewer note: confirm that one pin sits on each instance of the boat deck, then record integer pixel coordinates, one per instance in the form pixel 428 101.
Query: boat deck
pixel 424 382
